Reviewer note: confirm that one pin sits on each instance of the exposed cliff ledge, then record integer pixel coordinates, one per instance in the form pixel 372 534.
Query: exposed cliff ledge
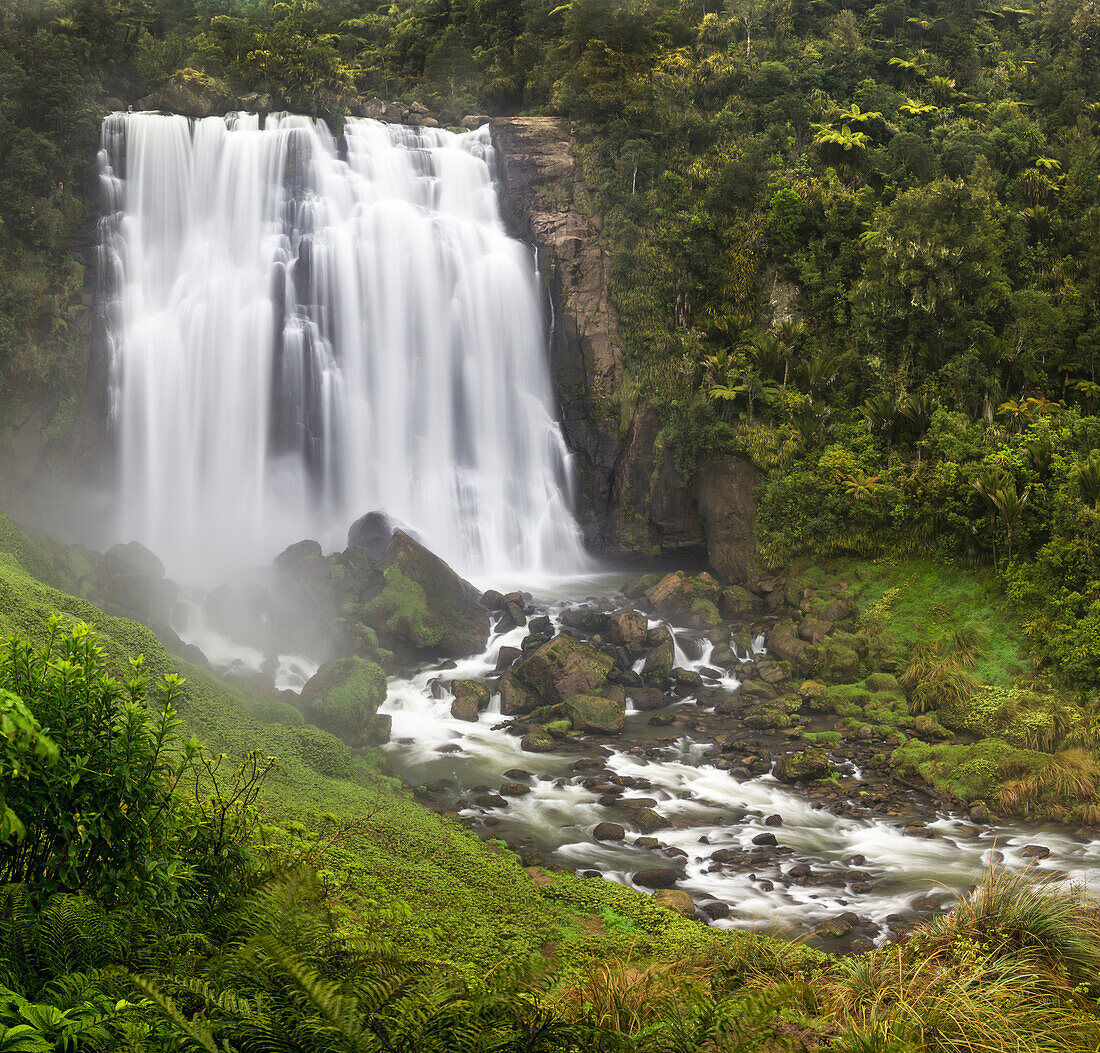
pixel 544 203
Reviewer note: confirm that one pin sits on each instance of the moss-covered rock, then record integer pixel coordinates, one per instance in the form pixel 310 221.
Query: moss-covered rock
pixel 537 740
pixel 563 668
pixel 422 606
pixel 595 713
pixel 736 603
pixel 804 766
pixel 516 698
pixel 660 654
pixel 343 695
pixel 470 698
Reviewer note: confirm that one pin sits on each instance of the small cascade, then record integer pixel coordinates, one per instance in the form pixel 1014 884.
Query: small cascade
pixel 303 329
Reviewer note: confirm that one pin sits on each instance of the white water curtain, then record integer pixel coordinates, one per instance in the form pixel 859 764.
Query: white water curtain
pixel 299 337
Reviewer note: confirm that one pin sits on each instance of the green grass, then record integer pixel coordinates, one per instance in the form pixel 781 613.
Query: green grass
pixel 466 900
pixel 932 601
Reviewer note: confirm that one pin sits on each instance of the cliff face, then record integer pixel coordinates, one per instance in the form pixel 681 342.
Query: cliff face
pixel 544 195
pixel 633 501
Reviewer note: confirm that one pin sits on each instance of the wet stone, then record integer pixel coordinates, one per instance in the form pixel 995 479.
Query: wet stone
pixel 774 820
pixel 609 832
pixel 657 877
pixel 591 874
pixel 715 909
pixel 1035 851
pixel 765 839
pixel 490 800
pixel 646 842
pixel 514 789
pixel 518 773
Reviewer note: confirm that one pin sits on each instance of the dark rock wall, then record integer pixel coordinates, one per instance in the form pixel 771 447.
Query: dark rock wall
pixel 632 500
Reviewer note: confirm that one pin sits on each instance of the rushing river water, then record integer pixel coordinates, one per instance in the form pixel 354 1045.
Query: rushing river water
pixel 867 866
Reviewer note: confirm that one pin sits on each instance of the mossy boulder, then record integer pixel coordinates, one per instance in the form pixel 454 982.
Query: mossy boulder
pixel 595 713
pixel 660 654
pixel 785 644
pixel 736 603
pixel 344 695
pixel 675 899
pixel 838 662
pixel 537 740
pixel 627 627
pixel 423 606
pixel 470 698
pixel 563 668
pixel 803 766
pixel 686 600
pixel 516 698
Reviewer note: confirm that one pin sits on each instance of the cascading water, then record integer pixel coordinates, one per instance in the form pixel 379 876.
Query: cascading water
pixel 297 338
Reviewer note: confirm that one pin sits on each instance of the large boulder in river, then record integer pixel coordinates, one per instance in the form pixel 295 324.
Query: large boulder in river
pixel 424 607
pixel 595 713
pixel 343 697
pixel 686 600
pixel 804 766
pixel 563 668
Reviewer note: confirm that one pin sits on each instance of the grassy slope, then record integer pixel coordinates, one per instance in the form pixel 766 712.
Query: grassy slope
pixel 467 900
pixel 934 600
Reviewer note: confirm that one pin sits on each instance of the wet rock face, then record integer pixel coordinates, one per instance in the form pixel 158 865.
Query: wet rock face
pixel 543 185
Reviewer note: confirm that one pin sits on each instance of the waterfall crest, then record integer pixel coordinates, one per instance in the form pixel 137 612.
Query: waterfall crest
pixel 300 333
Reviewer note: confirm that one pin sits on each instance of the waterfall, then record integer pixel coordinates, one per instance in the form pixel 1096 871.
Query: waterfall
pixel 302 330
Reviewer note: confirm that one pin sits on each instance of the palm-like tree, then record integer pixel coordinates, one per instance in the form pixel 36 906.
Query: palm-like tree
pixel 852 114
pixel 1088 479
pixel 943 89
pixel 907 68
pixel 1000 494
pixel 916 108
pixel 842 139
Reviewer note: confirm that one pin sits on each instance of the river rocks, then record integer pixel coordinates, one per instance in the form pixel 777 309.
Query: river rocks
pixel 657 877
pixel 627 627
pixel 470 697
pixel 736 603
pixel 343 697
pixel 785 643
pixel 564 668
pixel 507 657
pixel 803 766
pixel 423 606
pixel 838 927
pixel 765 840
pixel 372 533
pixel 715 909
pixel 979 812
pixel 537 740
pixel 595 713
pixel 609 832
pixel 190 93
pixel 1035 852
pixel 660 654
pixel 686 600
pixel 675 900
pixel 516 699
pixel 648 821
